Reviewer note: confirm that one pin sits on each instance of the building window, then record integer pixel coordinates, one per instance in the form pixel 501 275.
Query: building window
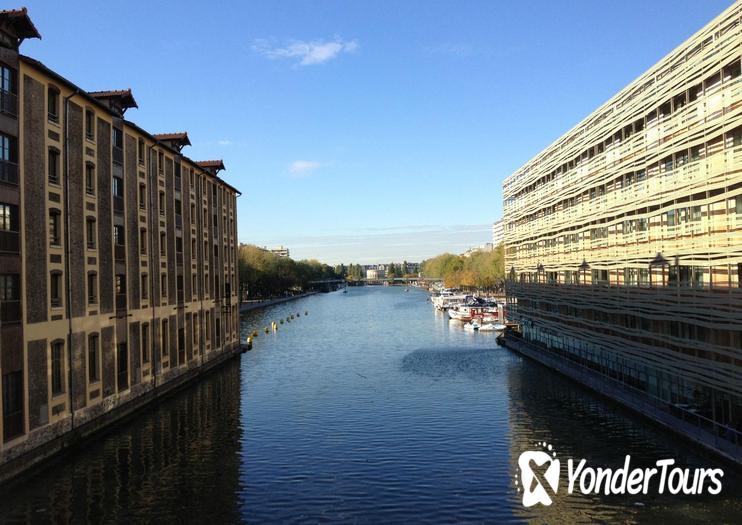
pixel 164 337
pixel 89 124
pixel 118 187
pixel 194 282
pixel 140 151
pixel 10 298
pixel 93 359
pixel 145 343
pixel 57 368
pixel 179 288
pixel 195 333
pixel 55 289
pixel 120 284
pixel 163 286
pixel 218 332
pixel 92 288
pixel 13 424
pixel 143 241
pixel 123 366
pixel 55 237
pixel 117 138
pixel 8 90
pixel 162 203
pixel 118 235
pixel 52 95
pixel 8 218
pixel 8 159
pixel 193 247
pixel 53 165
pixel 160 162
pixel 208 327
pixel 142 197
pixel 90 232
pixel 179 245
pixel 90 178
pixel 145 287
pixel 163 244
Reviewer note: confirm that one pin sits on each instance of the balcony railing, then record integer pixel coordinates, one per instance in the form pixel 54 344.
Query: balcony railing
pixel 9 242
pixel 9 103
pixel 8 172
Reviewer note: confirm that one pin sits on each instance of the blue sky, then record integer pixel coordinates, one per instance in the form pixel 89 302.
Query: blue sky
pixel 364 131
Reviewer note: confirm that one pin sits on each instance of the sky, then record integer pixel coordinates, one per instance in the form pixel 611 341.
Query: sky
pixel 364 132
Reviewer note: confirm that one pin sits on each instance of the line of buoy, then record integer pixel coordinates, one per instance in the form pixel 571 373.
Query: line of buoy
pixel 274 326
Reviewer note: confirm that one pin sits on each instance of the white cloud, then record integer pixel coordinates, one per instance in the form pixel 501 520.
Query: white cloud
pixel 303 168
pixel 224 142
pixel 306 53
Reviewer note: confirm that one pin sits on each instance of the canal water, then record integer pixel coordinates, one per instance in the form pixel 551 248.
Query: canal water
pixel 371 409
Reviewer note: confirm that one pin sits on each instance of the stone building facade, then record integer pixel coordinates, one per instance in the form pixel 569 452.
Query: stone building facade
pixel 118 258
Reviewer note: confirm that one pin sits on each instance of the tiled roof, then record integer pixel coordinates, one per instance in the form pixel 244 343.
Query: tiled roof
pixel 217 164
pixel 22 22
pixel 124 94
pixel 178 135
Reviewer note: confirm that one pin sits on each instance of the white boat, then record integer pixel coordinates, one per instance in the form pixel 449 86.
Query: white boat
pixel 446 300
pixel 492 327
pixel 476 326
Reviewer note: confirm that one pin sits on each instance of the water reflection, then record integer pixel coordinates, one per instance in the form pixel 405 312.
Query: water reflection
pixel 371 409
pixel 177 462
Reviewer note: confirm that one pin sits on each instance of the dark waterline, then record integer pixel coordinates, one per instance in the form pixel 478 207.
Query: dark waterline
pixel 372 408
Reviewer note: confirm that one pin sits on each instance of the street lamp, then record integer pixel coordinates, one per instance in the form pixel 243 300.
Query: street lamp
pixel 540 270
pixel 658 261
pixel 584 268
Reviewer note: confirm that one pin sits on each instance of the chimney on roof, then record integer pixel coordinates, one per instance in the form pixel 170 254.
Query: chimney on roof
pixel 118 100
pixel 176 141
pixel 15 26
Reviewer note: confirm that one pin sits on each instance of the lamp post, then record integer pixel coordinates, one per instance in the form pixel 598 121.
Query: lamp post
pixel 660 261
pixel 540 270
pixel 584 268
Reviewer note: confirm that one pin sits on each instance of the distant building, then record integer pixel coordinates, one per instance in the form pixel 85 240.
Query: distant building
pixel 486 247
pixel 280 251
pixel 373 274
pixel 497 233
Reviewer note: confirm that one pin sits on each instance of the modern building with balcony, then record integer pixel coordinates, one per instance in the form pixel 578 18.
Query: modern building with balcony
pixel 624 243
pixel 118 258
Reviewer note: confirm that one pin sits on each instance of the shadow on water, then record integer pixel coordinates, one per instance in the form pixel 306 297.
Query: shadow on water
pixel 451 363
pixel 176 462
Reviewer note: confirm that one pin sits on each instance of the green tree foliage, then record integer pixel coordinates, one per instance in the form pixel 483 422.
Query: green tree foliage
pixel 484 270
pixel 265 274
pixel 356 272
